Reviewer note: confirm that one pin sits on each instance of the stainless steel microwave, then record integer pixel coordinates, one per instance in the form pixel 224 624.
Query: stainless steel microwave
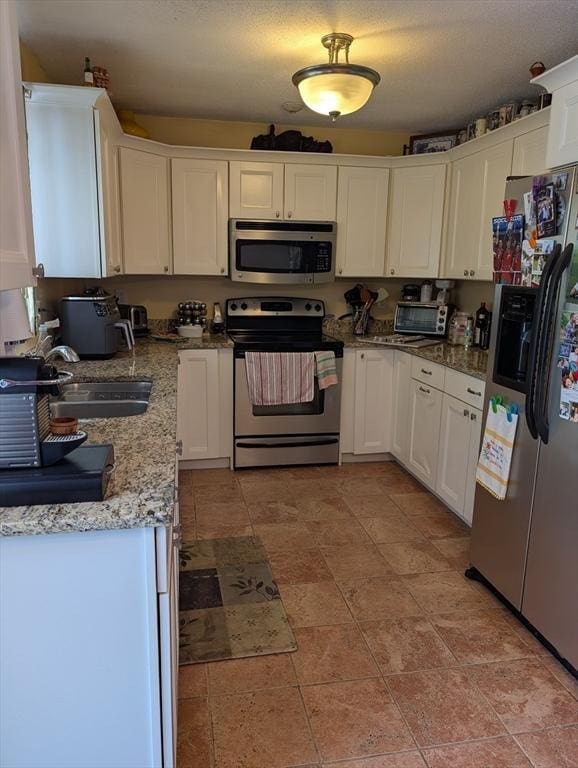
pixel 426 318
pixel 282 251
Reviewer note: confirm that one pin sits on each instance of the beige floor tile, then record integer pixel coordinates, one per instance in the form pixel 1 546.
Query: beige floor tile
pixel 530 639
pixel 443 706
pixel 525 695
pixel 400 484
pixel 555 748
pixel 273 512
pixel 373 506
pixel 329 654
pixel 384 530
pixel 477 637
pixel 355 719
pixel 192 681
pixel 378 598
pixel 360 486
pixel 217 493
pixel 262 729
pixel 401 760
pixel 267 490
pixel 306 567
pixel 561 674
pixel 216 514
pixel 332 508
pixel 407 557
pixel 251 674
pixel 418 502
pixel 223 531
pixel 502 752
pixel 336 533
pixel 314 605
pixel 355 561
pixel 455 550
pixel 213 477
pixel 445 592
pixel 439 524
pixel 306 490
pixel 406 645
pixel 194 737
pixel 284 536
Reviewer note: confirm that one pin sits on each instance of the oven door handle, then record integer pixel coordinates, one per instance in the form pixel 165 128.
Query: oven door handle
pixel 293 444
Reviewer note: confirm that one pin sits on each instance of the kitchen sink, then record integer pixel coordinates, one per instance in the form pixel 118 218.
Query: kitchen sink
pixel 101 399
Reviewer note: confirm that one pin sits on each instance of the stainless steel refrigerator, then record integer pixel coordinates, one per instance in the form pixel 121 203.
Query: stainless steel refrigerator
pixel 526 546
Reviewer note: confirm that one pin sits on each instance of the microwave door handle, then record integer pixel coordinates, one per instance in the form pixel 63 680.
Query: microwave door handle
pixel 535 342
pixel 549 340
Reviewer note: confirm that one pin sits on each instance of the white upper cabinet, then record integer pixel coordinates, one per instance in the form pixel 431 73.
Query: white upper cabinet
pixel 373 401
pixel 256 190
pixel 416 206
pixel 477 193
pixel 108 192
pixel 530 153
pixel 310 192
pixel 562 82
pixel 200 197
pixel 144 186
pixel 361 221
pixel 16 241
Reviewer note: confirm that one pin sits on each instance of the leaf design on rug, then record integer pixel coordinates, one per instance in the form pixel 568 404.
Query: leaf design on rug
pixel 249 585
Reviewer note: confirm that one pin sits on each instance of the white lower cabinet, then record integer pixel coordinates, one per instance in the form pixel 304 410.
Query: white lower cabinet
pixel 401 400
pixel 204 403
pixel 373 401
pixel 425 405
pixel 458 455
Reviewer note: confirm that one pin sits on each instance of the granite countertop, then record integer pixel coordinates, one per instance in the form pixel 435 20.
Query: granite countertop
pixel 474 362
pixel 141 491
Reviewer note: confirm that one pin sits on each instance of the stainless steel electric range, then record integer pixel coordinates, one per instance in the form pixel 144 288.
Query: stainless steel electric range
pixel 283 435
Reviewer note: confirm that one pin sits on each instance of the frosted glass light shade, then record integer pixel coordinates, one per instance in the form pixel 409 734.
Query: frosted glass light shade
pixel 336 89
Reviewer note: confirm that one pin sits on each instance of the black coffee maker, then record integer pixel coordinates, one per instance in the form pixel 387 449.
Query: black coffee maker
pixel 25 438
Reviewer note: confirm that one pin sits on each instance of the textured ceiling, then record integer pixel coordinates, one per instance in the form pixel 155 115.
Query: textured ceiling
pixel 442 62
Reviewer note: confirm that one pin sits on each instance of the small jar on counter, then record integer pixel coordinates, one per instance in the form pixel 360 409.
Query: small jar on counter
pixel 458 331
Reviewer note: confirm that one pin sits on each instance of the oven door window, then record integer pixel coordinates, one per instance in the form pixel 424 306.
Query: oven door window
pixel 278 256
pixel 314 408
pixel 416 319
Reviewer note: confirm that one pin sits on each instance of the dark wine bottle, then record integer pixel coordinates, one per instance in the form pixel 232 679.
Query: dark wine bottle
pixel 480 324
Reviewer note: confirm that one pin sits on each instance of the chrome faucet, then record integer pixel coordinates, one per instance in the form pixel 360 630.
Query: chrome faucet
pixel 64 353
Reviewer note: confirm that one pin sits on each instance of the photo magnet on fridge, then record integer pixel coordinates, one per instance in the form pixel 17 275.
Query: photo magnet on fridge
pixel 507 239
pixel 545 199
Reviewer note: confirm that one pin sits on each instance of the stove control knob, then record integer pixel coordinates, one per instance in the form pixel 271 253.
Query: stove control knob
pixel 308 307
pixel 234 307
pixel 318 307
pixel 243 306
pixel 440 327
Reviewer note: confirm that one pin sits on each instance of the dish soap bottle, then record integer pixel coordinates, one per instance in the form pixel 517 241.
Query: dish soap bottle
pixel 88 76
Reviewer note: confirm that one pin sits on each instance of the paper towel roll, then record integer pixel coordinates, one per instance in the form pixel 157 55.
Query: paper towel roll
pixel 14 325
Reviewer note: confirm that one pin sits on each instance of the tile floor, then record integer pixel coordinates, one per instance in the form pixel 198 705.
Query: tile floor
pixel 402 662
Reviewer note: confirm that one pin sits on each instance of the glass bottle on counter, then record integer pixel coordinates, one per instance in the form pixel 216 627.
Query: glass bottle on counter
pixel 88 75
pixel 482 327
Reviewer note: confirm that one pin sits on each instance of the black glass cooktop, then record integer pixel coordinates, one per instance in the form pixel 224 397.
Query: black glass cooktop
pixel 279 342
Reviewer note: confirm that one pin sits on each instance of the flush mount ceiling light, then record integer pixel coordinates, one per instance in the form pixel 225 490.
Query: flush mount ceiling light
pixel 336 88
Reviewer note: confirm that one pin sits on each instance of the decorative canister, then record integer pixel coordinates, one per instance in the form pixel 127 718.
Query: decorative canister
pixel 481 126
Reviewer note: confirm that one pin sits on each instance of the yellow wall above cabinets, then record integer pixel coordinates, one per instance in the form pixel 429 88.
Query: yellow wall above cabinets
pixel 32 69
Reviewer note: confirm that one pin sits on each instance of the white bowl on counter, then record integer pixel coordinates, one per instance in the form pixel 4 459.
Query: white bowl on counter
pixel 190 331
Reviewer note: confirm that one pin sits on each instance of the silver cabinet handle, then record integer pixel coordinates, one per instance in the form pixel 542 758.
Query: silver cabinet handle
pixel 340 271
pixel 179 447
pixel 289 214
pixel 473 392
pixel 423 389
pixel 116 269
pixel 465 272
pixel 277 214
pixel 392 271
pixel 222 270
pixel 166 269
pixel 472 272
pixel 473 417
pixel 362 355
pixel 427 373
pixel 466 412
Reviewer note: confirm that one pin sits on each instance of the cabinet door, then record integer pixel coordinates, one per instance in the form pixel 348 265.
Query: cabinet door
pixel 361 221
pixel 16 242
pixel 310 192
pixel 198 426
pixel 401 402
pixel 473 455
pixel 144 188
pixel 347 401
pixel 108 197
pixel 416 205
pixel 562 148
pixel 424 424
pixel 373 401
pixel 496 167
pixel 463 229
pixel 530 153
pixel 200 214
pixel 454 446
pixel 256 190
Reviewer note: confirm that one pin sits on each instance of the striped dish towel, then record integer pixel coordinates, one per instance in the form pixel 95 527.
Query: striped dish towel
pixel 277 378
pixel 325 369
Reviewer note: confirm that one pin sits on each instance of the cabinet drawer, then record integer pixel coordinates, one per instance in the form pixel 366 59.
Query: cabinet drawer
pixel 430 373
pixel 466 388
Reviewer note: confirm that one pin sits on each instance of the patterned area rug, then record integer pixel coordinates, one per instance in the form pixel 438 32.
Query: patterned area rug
pixel 229 603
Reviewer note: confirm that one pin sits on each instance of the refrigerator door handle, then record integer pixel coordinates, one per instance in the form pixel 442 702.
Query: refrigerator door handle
pixel 549 338
pixel 535 344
